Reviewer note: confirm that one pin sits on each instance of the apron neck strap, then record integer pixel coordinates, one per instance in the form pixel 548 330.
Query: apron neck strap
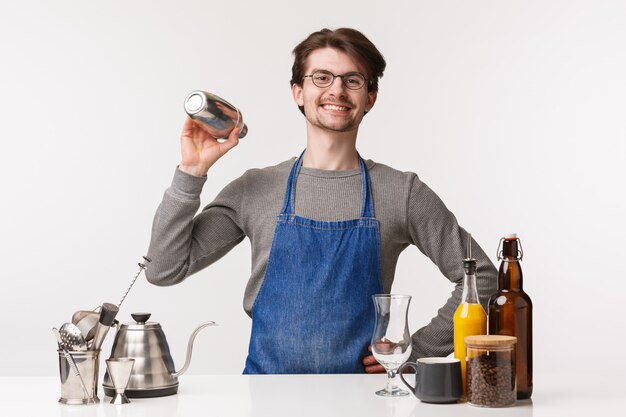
pixel 367 201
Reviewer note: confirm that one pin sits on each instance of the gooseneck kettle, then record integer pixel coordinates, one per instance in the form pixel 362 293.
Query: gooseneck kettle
pixel 154 374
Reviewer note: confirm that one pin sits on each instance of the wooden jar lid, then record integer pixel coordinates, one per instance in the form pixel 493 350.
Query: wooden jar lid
pixel 490 340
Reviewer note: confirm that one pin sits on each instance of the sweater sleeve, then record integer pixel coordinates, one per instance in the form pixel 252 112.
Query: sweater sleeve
pixel 436 232
pixel 182 244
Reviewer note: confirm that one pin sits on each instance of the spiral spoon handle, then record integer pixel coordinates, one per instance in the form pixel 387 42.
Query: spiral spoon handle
pixel 142 267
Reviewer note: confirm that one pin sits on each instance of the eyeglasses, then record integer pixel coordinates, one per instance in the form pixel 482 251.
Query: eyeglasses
pixel 352 80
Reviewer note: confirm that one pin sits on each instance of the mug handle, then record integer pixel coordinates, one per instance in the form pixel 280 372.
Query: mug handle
pixel 410 365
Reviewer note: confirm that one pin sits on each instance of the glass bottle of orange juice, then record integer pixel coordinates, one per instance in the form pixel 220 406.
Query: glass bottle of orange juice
pixel 470 318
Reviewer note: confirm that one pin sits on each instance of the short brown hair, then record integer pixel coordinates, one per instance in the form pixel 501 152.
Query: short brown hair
pixel 349 41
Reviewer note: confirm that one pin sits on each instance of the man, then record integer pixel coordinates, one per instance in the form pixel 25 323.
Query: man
pixel 326 229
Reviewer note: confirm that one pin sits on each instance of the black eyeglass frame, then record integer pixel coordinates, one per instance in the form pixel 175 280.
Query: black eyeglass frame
pixel 366 81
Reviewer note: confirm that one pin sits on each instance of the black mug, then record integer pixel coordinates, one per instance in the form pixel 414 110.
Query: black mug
pixel 437 380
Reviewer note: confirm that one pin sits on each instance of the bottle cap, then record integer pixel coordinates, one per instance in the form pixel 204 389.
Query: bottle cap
pixel 514 244
pixel 469 265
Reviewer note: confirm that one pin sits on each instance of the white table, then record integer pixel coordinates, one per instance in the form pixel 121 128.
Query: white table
pixel 309 395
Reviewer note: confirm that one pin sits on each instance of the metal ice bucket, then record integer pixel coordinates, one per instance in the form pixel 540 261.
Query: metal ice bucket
pixel 71 389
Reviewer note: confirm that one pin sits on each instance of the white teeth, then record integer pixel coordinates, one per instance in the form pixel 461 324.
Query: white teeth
pixel 333 107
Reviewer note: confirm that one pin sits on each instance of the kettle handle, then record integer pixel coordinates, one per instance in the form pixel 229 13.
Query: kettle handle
pixel 190 347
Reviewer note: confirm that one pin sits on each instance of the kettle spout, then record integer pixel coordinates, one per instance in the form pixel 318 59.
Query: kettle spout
pixel 190 347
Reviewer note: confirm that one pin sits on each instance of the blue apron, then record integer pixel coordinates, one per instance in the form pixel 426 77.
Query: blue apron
pixel 314 311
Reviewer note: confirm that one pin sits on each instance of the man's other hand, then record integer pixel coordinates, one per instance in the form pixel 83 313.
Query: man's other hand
pixel 371 364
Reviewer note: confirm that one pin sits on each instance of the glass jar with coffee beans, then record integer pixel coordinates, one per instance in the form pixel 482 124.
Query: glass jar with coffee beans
pixel 491 370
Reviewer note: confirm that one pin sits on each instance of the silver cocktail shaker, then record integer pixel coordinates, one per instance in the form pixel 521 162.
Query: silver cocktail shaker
pixel 218 116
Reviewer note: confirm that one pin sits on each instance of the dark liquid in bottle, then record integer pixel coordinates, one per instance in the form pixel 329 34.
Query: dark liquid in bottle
pixel 510 314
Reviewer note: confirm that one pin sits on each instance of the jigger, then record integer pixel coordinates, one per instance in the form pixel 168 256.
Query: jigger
pixel 119 372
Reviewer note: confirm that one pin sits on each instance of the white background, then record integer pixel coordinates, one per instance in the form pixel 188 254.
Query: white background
pixel 512 111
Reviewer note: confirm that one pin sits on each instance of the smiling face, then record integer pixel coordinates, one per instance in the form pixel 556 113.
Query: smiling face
pixel 334 108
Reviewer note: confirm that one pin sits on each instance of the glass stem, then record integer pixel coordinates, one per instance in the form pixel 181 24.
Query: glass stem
pixel 391 380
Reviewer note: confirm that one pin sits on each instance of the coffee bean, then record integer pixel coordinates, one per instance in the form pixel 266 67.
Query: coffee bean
pixel 491 379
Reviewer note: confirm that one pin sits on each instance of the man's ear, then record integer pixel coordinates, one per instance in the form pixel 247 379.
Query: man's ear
pixel 371 99
pixel 296 91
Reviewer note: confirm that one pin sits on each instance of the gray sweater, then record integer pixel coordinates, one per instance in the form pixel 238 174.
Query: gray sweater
pixel 408 211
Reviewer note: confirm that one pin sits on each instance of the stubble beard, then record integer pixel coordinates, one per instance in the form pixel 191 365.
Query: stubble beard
pixel 334 127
